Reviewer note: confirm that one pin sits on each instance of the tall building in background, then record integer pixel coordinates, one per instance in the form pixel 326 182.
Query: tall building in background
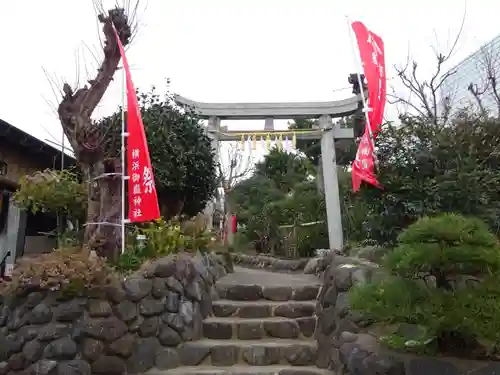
pixel 475 69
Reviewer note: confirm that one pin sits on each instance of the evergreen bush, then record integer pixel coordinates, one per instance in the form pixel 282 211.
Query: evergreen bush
pixel 443 277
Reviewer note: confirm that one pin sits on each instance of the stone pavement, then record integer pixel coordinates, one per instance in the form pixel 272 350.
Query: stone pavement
pixel 263 325
pixel 248 276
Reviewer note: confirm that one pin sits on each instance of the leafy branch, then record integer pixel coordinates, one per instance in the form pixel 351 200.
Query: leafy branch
pixel 53 191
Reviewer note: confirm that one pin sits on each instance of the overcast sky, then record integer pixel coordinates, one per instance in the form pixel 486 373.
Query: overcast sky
pixel 220 50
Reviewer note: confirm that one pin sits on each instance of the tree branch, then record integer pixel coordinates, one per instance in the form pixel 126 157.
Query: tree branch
pixel 237 170
pixel 76 108
pixel 476 93
pixel 112 57
pixel 426 92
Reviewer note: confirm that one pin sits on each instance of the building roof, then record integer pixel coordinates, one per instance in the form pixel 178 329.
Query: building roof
pixel 39 149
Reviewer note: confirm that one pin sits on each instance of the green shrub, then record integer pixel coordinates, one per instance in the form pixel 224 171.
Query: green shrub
pixel 445 246
pixel 312 237
pixel 277 197
pixel 196 235
pixel 52 191
pixel 129 261
pixel 354 209
pixel 427 170
pixel 443 277
pixel 71 271
pixel 161 238
pixel 180 150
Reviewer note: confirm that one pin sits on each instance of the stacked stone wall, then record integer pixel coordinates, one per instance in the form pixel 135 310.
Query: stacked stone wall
pixel 130 327
pixel 347 342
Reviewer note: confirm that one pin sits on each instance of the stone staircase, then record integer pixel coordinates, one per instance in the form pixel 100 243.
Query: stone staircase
pixel 256 329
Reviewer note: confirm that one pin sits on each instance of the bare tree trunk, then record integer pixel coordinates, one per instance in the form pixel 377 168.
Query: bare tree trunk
pixel 104 206
pixel 216 211
pixel 88 141
pixel 477 95
pixel 228 218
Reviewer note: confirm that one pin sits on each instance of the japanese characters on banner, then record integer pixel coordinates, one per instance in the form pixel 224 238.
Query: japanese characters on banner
pixel 364 164
pixel 371 49
pixel 142 197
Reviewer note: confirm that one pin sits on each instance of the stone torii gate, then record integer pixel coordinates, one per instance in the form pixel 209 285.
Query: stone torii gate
pixel 328 133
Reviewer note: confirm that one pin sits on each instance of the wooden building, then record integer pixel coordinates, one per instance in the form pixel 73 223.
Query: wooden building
pixel 21 154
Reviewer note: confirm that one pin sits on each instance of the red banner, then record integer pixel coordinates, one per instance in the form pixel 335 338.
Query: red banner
pixel 363 167
pixel 371 49
pixel 142 198
pixel 234 224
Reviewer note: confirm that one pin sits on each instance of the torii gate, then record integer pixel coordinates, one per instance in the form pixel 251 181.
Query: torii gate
pixel 328 133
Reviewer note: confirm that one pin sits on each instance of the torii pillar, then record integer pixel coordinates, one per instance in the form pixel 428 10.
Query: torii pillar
pixel 330 180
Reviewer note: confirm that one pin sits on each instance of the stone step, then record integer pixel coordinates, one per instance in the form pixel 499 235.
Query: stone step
pixel 252 292
pixel 248 352
pixel 242 370
pixel 258 328
pixel 263 309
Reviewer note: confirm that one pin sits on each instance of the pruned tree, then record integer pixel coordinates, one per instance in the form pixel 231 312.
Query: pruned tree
pixel 281 193
pixel 345 150
pixel 433 97
pixel 487 92
pixel 423 96
pixel 310 147
pixel 181 153
pixel 88 139
pixel 285 169
pixel 233 168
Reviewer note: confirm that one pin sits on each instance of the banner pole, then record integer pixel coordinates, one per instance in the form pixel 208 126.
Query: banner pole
pixel 144 198
pixel 124 175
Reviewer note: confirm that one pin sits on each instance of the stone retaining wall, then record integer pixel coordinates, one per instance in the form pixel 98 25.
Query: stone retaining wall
pixel 345 344
pixel 132 327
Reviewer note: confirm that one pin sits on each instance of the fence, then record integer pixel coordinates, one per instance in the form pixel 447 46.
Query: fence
pixel 290 234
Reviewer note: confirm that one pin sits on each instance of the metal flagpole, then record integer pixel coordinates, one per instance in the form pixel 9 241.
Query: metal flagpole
pixel 358 62
pixel 62 150
pixel 124 176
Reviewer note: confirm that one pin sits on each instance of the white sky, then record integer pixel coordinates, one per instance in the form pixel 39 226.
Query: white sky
pixel 220 50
